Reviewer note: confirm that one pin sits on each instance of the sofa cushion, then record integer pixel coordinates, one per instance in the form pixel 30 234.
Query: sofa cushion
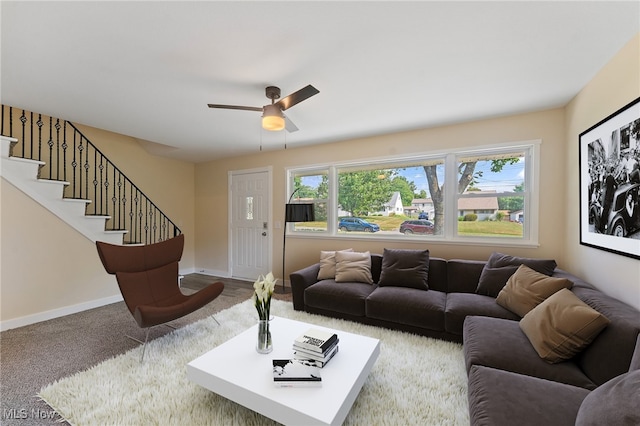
pixel 345 298
pixel 527 288
pixel 635 360
pixel 544 266
pixel 405 268
pixel 610 353
pixel 492 280
pixel 328 264
pixel 462 305
pixel 499 343
pixel 462 275
pixel 562 326
pixel 502 398
pixel 353 267
pixel 437 274
pixel 409 306
pixel 613 403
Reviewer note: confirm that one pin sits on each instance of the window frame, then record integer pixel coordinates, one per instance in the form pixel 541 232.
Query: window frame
pixel 531 148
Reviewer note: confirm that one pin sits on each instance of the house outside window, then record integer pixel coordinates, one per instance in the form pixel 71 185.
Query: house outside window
pixel 493 189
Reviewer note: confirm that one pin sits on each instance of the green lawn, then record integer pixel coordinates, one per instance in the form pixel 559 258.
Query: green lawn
pixel 489 229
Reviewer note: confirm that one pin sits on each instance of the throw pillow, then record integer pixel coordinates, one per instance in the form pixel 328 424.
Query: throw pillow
pixel 544 266
pixel 527 288
pixel 561 326
pixel 492 280
pixel 353 267
pixel 612 403
pixel 328 265
pixel 405 268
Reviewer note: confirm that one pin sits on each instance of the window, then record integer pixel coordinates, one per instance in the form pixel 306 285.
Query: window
pixel 493 190
pixel 311 186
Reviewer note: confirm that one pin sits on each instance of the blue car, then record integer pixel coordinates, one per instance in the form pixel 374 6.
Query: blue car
pixel 357 224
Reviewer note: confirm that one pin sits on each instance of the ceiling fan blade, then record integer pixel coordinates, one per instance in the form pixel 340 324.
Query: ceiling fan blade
pixel 297 97
pixel 244 108
pixel 288 124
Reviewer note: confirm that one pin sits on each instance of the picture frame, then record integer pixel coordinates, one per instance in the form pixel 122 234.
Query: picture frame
pixel 609 167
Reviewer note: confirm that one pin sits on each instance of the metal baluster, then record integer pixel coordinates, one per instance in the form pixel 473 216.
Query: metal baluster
pixel 64 154
pixel 57 149
pixel 146 220
pixel 31 133
pixel 74 166
pixel 113 200
pixel 124 205
pixel 40 124
pixel 87 166
pixel 95 181
pixel 50 143
pixel 139 225
pixel 23 120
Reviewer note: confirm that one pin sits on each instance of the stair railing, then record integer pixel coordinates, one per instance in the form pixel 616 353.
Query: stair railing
pixel 69 156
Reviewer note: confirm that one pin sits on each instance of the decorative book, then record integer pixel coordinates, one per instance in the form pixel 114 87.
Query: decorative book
pixel 316 340
pixel 315 358
pixel 296 373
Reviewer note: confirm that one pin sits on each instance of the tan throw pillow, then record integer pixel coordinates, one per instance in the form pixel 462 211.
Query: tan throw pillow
pixel 328 265
pixel 562 326
pixel 353 267
pixel 527 288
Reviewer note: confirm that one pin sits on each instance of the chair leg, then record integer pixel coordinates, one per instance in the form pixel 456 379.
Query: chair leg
pixel 146 336
pixel 144 344
pixel 144 347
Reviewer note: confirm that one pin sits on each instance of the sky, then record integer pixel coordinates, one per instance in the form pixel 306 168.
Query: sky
pixel 510 176
pixel 506 180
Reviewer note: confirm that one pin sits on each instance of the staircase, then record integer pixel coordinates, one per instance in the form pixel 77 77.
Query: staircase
pixel 83 188
pixel 23 174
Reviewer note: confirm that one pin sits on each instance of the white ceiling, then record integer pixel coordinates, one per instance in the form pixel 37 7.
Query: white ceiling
pixel 148 69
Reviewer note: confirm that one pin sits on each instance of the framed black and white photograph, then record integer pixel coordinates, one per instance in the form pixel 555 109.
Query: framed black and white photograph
pixel 610 183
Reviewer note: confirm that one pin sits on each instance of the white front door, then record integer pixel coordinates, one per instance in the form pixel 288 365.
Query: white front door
pixel 250 228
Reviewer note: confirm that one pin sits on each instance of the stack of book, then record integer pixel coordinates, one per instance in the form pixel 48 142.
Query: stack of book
pixel 316 346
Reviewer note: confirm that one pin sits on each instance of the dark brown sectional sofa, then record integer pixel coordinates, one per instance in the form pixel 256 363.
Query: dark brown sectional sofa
pixel 509 383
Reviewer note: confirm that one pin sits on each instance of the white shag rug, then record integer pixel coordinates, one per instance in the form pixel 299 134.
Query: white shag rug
pixel 415 381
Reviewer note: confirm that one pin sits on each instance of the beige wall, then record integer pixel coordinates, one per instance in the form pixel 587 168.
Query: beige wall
pixel 617 84
pixel 48 266
pixel 211 188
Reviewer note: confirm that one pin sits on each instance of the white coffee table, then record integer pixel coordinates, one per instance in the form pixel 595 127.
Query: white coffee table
pixel 236 371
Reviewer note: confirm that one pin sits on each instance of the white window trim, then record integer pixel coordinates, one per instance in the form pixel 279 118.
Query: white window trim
pixel 449 237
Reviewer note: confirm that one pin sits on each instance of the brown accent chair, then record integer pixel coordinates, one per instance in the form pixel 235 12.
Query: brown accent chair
pixel 148 279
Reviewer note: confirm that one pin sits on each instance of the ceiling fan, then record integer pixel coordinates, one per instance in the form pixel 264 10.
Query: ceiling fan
pixel 273 117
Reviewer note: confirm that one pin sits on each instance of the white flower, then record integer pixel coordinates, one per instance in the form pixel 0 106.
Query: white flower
pixel 262 291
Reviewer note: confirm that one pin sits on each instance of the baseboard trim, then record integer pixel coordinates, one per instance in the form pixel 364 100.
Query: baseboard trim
pixel 212 272
pixel 57 313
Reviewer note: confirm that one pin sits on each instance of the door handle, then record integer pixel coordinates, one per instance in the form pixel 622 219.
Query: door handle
pixel 264 234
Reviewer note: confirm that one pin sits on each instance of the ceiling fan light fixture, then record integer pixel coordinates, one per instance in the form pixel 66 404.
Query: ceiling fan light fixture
pixel 272 118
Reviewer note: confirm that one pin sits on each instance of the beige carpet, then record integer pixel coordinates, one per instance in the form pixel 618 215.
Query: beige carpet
pixel 416 380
